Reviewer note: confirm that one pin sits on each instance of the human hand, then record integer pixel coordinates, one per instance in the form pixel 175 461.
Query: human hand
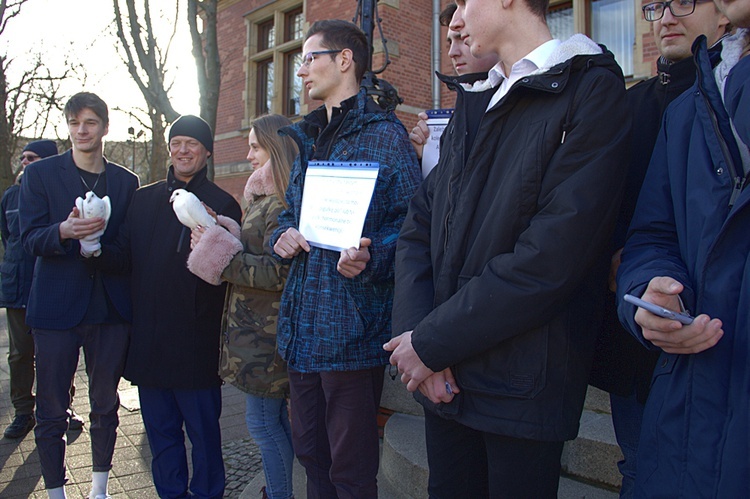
pixel 440 387
pixel 353 261
pixel 670 335
pixel 211 212
pixel 290 244
pixel 75 227
pixel 419 134
pixel 405 358
pixel 196 235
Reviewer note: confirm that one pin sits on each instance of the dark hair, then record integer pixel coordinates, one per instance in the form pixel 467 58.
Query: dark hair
pixel 447 14
pixel 538 7
pixel 281 149
pixel 86 100
pixel 338 35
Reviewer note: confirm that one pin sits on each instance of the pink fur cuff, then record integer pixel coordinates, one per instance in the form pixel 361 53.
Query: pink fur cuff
pixel 230 225
pixel 213 253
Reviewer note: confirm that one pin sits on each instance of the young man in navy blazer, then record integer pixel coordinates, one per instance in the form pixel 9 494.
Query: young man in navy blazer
pixel 72 305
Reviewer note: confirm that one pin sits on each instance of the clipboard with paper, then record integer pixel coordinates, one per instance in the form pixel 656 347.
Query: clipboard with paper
pixel 335 201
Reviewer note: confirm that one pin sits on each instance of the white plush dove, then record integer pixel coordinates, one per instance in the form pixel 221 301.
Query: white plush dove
pixel 189 209
pixel 90 207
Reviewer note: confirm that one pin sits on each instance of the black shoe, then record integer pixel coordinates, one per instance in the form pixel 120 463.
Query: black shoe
pixel 20 426
pixel 75 422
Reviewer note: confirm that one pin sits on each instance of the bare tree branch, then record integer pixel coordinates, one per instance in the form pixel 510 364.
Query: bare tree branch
pixel 206 54
pixel 9 10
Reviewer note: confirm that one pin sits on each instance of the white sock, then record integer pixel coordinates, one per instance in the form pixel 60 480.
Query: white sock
pixel 98 483
pixel 56 493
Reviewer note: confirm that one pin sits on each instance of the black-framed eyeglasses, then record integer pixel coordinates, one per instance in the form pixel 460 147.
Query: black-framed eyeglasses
pixel 679 8
pixel 308 58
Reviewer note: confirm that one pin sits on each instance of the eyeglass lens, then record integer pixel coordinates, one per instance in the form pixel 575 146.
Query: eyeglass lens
pixel 679 8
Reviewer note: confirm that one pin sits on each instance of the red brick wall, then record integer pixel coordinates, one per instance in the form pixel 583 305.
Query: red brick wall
pixel 234 185
pixel 408 27
pixel 232 35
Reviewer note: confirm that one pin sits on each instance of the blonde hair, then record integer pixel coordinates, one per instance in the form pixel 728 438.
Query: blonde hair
pixel 281 150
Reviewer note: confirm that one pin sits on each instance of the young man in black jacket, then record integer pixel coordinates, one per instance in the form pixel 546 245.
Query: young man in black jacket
pixel 503 255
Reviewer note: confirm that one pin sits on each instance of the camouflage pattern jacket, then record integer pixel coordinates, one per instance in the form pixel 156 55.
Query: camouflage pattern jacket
pixel 249 358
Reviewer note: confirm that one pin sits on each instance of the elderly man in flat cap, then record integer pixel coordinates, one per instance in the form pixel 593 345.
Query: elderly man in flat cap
pixel 174 346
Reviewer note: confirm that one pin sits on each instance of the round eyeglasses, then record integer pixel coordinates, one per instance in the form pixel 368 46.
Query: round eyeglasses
pixel 679 8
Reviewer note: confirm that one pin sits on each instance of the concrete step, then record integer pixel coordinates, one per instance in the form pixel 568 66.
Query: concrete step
pixel 593 456
pixel 404 461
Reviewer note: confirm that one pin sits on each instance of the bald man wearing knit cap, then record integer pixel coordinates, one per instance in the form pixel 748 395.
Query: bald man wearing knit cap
pixel 174 347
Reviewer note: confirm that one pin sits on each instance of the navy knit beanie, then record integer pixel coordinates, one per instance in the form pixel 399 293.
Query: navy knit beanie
pixel 196 127
pixel 42 148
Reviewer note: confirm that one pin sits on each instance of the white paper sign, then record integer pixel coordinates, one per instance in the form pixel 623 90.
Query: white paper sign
pixel 437 120
pixel 335 201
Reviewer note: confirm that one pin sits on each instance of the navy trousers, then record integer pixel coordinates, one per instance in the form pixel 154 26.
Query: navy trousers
pixel 335 431
pixel 104 350
pixel 164 412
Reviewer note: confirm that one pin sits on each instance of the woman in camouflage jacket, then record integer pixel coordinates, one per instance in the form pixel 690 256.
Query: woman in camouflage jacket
pixel 249 358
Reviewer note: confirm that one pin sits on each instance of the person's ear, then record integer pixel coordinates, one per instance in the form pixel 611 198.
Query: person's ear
pixel 346 60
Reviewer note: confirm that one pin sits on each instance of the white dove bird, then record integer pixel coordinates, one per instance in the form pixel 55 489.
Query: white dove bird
pixel 189 210
pixel 93 206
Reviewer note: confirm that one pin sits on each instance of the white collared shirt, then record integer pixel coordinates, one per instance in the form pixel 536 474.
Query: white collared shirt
pixel 524 67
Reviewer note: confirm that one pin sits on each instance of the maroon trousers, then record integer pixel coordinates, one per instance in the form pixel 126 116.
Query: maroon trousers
pixel 335 431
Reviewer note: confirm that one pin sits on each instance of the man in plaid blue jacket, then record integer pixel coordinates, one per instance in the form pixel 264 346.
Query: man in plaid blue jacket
pixel 336 307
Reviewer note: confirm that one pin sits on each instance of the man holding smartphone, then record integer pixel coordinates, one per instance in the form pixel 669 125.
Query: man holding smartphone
pixel 689 248
pixel 622 366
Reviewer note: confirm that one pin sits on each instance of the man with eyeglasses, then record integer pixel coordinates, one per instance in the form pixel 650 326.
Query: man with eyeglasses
pixel 335 312
pixel 688 249
pixel 622 366
pixel 17 268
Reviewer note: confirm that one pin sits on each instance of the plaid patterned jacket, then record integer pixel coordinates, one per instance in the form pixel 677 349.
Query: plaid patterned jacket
pixel 328 322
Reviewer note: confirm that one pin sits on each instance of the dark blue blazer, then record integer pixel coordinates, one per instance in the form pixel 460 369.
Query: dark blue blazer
pixel 63 281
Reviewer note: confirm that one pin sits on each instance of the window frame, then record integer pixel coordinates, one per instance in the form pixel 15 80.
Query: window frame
pixel 277 12
pixel 583 22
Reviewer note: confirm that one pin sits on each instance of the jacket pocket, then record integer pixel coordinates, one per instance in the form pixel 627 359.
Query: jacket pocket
pixel 517 368
pixel 10 284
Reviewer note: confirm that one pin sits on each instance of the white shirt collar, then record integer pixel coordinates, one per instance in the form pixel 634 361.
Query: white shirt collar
pixel 526 65
pixel 534 61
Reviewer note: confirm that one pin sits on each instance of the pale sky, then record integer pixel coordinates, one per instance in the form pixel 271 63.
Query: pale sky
pixel 80 28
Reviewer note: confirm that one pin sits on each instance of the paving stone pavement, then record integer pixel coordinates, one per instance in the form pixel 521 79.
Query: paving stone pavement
pixel 20 474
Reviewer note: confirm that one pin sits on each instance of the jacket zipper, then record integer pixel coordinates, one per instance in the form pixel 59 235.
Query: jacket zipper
pixel 738 181
pixel 334 137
